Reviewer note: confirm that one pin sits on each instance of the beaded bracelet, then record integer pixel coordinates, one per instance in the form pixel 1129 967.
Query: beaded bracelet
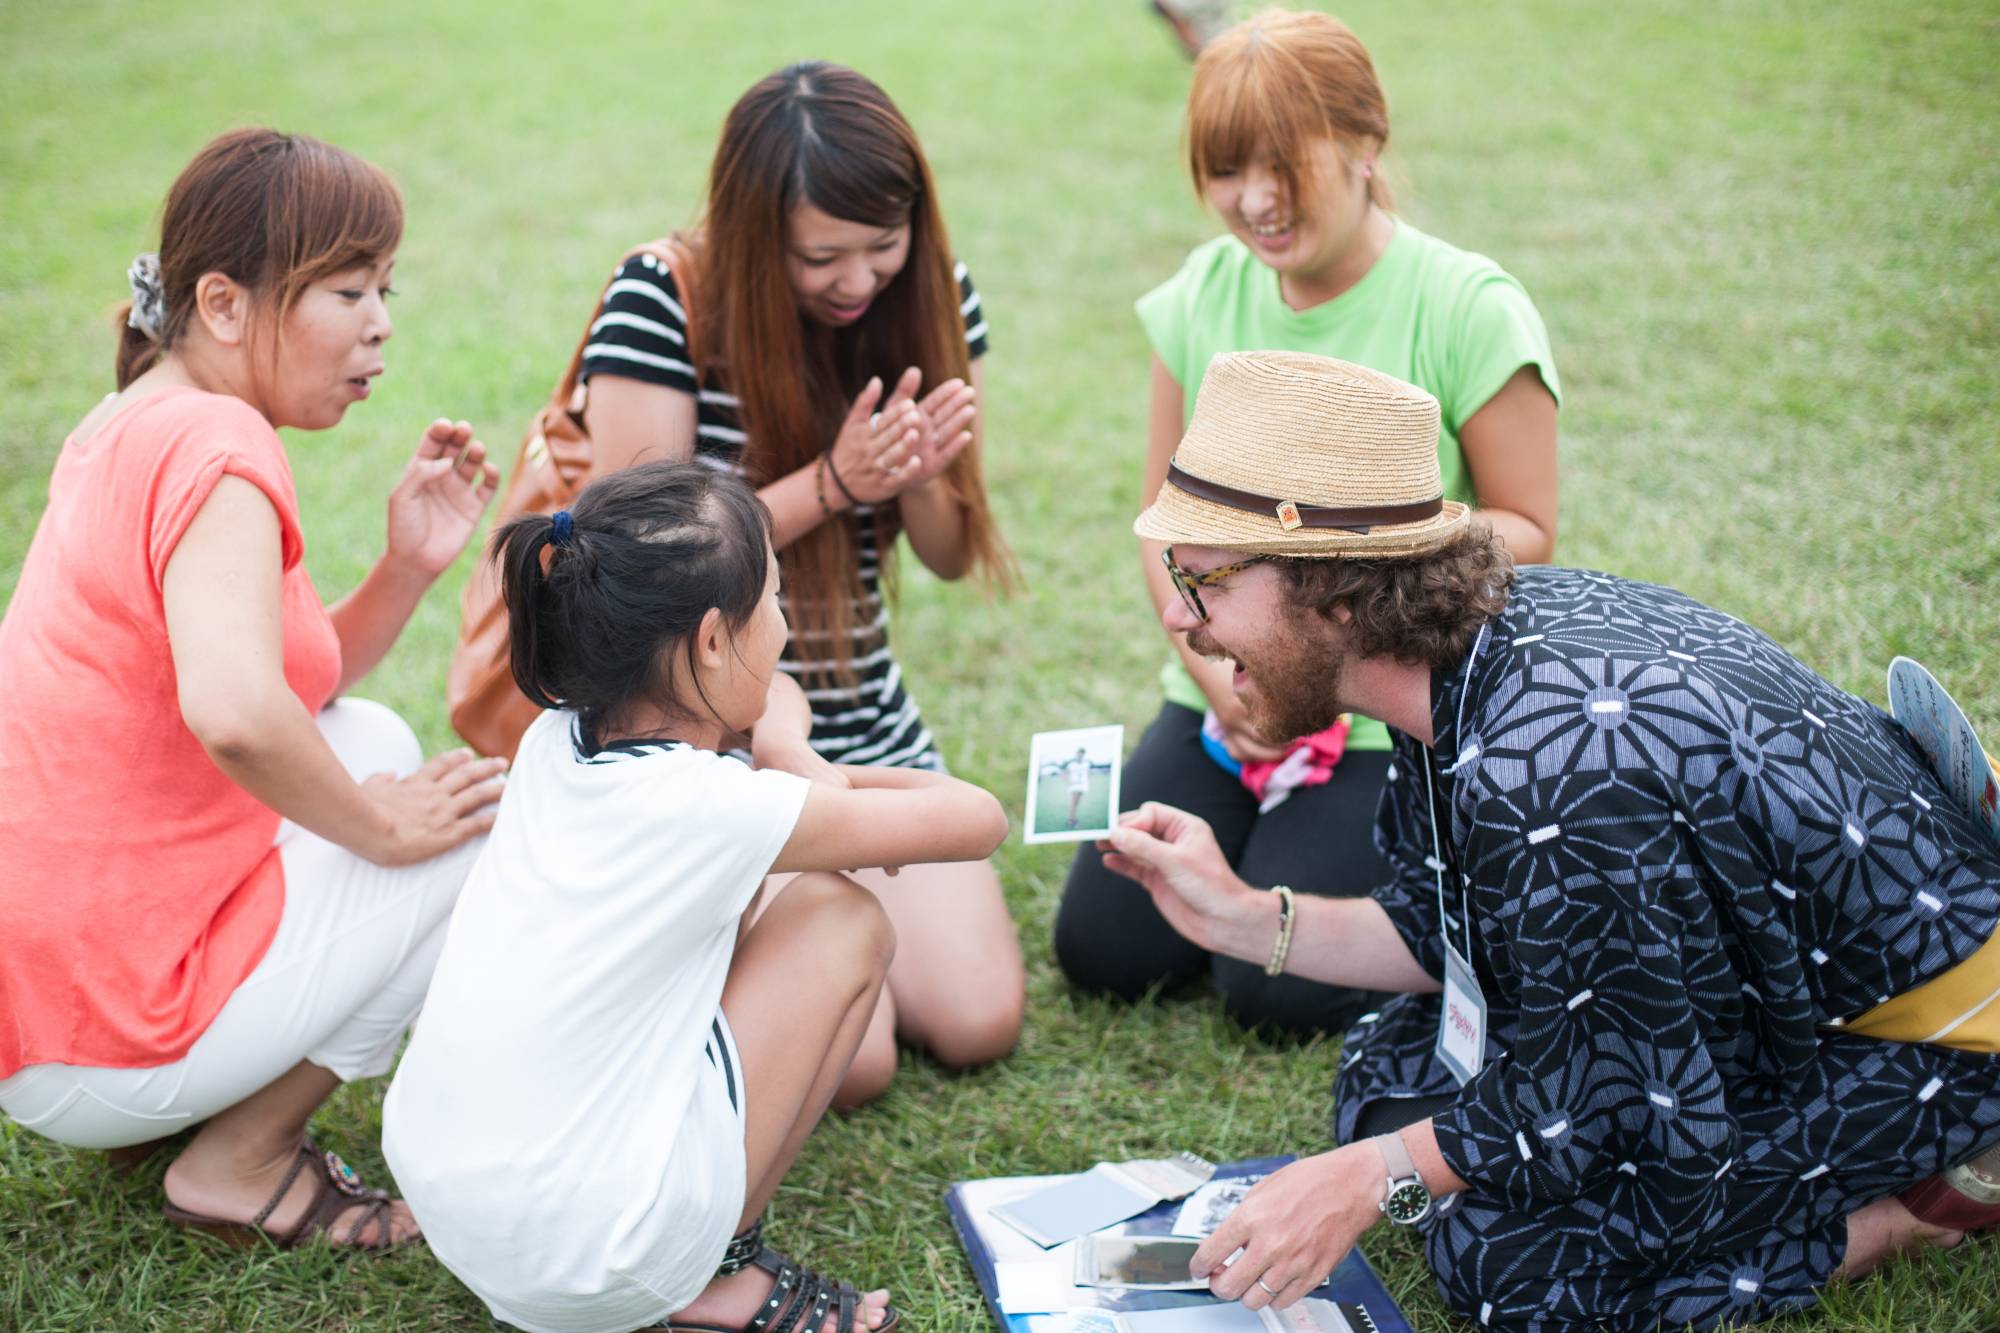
pixel 819 486
pixel 1287 912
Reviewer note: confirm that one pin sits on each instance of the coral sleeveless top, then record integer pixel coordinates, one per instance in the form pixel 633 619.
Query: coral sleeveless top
pixel 138 885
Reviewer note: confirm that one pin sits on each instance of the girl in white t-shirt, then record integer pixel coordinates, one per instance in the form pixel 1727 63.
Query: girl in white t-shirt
pixel 619 1058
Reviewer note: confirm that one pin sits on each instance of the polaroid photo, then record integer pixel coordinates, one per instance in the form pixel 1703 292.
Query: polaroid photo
pixel 1073 783
pixel 1137 1263
pixel 1206 1208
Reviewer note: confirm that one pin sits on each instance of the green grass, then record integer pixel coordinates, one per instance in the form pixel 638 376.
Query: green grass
pixel 1764 236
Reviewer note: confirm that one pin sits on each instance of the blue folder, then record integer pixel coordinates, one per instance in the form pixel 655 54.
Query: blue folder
pixel 1352 1284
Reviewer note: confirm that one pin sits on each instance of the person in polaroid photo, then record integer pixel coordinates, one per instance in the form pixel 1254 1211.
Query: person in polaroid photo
pixel 1077 771
pixel 1646 866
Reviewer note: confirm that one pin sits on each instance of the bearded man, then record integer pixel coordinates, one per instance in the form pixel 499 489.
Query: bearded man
pixel 1653 879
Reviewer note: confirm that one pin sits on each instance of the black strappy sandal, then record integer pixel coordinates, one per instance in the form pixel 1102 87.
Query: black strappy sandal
pixel 798 1302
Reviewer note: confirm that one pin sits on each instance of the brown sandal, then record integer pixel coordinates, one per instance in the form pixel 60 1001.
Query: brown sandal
pixel 336 1189
pixel 799 1299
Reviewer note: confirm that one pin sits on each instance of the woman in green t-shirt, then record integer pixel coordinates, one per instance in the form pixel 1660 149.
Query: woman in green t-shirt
pixel 1286 127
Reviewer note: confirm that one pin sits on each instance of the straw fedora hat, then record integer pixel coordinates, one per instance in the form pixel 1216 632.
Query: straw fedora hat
pixel 1294 454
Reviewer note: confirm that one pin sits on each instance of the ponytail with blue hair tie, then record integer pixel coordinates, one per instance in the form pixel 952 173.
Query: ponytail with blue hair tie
pixel 562 529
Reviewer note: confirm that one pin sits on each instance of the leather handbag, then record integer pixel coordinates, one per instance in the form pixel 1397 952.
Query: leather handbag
pixel 557 460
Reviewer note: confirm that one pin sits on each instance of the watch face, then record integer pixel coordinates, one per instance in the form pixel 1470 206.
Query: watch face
pixel 1408 1202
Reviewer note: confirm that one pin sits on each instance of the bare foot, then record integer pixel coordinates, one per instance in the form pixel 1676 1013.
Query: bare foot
pixel 733 1301
pixel 1884 1228
pixel 211 1182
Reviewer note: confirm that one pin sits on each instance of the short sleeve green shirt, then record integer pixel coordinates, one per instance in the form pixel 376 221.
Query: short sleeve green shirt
pixel 1451 322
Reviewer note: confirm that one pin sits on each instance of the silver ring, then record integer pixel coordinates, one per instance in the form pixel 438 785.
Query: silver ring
pixel 1267 1286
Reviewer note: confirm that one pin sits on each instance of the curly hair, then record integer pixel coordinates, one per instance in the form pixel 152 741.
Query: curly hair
pixel 1419 610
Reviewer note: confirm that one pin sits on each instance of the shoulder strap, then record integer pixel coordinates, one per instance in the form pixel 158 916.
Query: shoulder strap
pixel 670 250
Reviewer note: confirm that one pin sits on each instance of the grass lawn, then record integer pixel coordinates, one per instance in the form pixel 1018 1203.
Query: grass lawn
pixel 1765 237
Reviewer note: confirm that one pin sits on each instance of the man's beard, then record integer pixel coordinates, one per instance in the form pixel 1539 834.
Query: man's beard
pixel 1297 679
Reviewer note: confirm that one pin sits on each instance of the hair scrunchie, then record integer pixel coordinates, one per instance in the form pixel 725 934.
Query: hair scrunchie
pixel 563 528
pixel 149 298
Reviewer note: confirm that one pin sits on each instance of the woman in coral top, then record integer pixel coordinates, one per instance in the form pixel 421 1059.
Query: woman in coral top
pixel 223 894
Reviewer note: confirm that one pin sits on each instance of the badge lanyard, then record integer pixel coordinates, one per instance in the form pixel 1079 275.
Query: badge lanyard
pixel 1461 1040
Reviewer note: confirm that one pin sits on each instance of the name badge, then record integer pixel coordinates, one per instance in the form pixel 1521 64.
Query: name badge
pixel 1461 1042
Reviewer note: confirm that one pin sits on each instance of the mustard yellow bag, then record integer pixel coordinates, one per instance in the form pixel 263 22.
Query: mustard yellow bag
pixel 1961 1007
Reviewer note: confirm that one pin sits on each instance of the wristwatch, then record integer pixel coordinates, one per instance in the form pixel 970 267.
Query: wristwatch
pixel 1409 1199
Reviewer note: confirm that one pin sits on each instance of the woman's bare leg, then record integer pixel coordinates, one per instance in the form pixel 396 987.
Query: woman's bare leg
pixel 874 1067
pixel 958 981
pixel 802 989
pixel 233 1166
pixel 957 988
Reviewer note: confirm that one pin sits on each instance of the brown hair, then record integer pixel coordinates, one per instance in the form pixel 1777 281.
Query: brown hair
pixel 1285 77
pixel 274 212
pixel 1419 610
pixel 821 134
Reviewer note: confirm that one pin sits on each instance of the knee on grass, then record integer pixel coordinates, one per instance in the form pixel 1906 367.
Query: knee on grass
pixel 975 1030
pixel 868 1077
pixel 1096 961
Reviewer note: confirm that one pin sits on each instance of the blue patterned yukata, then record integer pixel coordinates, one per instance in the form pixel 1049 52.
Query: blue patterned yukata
pixel 1685 856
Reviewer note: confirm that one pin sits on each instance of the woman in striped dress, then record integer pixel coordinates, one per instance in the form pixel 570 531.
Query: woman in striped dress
pixel 833 357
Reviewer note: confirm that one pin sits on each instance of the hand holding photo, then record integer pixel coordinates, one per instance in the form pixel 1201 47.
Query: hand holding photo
pixel 1073 783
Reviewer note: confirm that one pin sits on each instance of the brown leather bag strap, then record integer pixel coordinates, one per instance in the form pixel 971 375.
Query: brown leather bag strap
pixel 669 250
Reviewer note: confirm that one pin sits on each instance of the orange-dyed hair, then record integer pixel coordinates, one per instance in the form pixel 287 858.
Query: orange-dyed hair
pixel 1286 78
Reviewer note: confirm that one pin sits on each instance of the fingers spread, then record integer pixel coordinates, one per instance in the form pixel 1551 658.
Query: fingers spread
pixel 478 796
pixel 444 763
pixel 472 461
pixel 476 771
pixel 864 402
pixel 443 438
pixel 947 455
pixel 436 439
pixel 941 392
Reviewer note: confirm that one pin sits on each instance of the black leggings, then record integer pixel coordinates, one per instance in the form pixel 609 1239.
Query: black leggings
pixel 1109 936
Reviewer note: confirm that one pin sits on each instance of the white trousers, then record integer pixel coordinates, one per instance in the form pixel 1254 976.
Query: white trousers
pixel 340 984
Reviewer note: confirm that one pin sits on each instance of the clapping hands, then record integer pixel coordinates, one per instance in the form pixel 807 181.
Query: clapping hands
pixel 887 450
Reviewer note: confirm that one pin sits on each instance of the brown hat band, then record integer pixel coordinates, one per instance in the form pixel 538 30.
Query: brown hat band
pixel 1291 514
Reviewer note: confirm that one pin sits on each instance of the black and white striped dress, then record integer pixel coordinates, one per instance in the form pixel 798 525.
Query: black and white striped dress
pixel 642 335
